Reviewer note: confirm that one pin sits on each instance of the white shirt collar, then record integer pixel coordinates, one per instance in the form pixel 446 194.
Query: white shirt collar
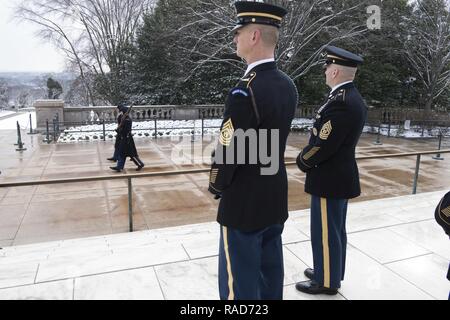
pixel 339 85
pixel 257 63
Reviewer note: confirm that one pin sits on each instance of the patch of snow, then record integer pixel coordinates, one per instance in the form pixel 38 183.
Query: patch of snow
pixel 4 113
pixel 412 132
pixel 143 129
pixel 24 121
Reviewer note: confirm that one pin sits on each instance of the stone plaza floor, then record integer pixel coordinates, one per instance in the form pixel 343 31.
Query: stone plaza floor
pixel 64 211
pixel 396 250
pixel 69 241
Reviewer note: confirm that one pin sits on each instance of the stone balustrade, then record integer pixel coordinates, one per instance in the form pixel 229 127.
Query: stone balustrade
pixel 47 109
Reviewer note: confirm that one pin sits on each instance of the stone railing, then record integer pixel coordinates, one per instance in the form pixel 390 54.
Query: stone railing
pixel 49 109
pixel 400 115
pixel 109 114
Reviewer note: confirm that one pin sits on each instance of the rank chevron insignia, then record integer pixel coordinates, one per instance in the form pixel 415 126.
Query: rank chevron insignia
pixel 326 131
pixel 226 134
pixel 446 212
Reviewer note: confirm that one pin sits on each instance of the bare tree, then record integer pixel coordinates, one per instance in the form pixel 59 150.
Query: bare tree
pixel 428 47
pixel 22 100
pixel 92 33
pixel 4 95
pixel 207 37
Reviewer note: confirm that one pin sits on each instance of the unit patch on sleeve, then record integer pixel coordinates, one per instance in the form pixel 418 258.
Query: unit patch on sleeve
pixel 240 92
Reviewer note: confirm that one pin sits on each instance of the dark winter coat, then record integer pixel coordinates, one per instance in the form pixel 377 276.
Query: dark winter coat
pixel 125 141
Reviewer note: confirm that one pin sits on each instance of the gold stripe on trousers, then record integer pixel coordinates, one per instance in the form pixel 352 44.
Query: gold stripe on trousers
pixel 326 249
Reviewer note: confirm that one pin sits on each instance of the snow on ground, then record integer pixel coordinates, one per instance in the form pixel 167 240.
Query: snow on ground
pixel 4 113
pixel 412 132
pixel 142 129
pixel 23 118
pixel 166 128
pixel 172 128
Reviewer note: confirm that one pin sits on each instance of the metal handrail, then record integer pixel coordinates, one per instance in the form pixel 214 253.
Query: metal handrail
pixel 129 177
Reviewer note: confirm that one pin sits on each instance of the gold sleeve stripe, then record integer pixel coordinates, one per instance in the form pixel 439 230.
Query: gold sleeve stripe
pixel 305 163
pixel 326 131
pixel 215 189
pixel 226 134
pixel 213 175
pixel 311 153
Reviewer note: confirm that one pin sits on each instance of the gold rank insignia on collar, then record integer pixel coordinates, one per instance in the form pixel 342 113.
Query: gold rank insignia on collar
pixel 226 134
pixel 339 95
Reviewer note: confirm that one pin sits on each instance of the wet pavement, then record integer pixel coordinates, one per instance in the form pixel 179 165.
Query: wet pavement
pixel 64 211
pixel 395 251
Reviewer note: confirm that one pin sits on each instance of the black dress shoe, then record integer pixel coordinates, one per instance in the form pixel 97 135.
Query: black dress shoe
pixel 139 168
pixel 309 273
pixel 111 159
pixel 312 287
pixel 115 169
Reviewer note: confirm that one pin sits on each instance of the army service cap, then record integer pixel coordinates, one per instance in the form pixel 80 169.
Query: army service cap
pixel 335 55
pixel 258 12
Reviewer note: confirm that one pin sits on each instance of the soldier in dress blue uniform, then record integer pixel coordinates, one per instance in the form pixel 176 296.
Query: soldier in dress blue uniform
pixel 253 206
pixel 115 156
pixel 331 171
pixel 125 142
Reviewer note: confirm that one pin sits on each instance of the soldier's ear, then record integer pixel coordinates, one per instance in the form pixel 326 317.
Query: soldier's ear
pixel 256 34
pixel 335 72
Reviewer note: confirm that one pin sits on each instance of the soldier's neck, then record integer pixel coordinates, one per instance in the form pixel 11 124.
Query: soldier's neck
pixel 260 54
pixel 339 83
pixel 256 59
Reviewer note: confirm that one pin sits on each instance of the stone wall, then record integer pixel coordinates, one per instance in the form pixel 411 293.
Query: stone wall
pixel 48 110
pixel 69 116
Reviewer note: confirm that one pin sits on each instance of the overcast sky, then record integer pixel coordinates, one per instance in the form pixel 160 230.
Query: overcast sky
pixel 20 49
